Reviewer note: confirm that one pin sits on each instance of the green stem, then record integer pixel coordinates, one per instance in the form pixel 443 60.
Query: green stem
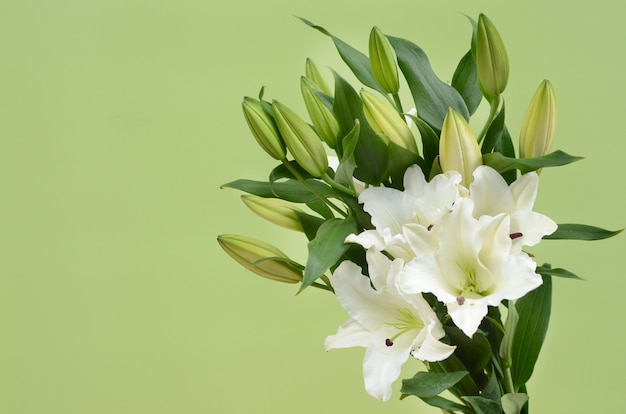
pixel 495 105
pixel 334 184
pixel 508 381
pixel 327 282
pixel 396 100
pixel 311 189
pixel 323 287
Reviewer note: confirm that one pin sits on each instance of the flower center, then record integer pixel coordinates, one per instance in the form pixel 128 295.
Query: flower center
pixel 406 321
pixel 469 287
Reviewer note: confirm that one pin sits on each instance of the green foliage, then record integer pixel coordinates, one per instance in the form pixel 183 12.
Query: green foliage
pixel 465 81
pixel 530 331
pixel 432 96
pixel 327 247
pixel 580 232
pixel 502 163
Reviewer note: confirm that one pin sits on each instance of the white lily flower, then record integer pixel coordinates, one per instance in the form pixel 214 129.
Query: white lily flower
pixel 473 267
pixel 492 196
pixel 390 325
pixel 397 215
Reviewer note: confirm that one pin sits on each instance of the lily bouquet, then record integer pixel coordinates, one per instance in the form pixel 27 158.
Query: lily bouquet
pixel 416 224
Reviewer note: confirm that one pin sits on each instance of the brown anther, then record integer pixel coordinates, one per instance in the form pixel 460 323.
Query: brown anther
pixel 460 300
pixel 514 236
pixel 429 228
pixel 388 342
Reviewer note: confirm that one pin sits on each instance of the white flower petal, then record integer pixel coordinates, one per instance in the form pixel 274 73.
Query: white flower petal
pixel 490 193
pixel 388 207
pixel 368 239
pixel 524 191
pixel 358 298
pixel 430 349
pixel 381 367
pixel 350 334
pixel 469 315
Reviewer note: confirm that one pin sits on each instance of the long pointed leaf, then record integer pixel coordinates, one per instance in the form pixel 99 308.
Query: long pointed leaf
pixel 327 247
pixel 465 81
pixel 358 62
pixel 432 96
pixel 502 163
pixel 534 316
pixel 431 384
pixel 569 231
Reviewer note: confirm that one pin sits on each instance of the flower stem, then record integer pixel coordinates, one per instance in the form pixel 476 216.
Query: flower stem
pixel 311 189
pixel 396 100
pixel 334 184
pixel 508 381
pixel 495 105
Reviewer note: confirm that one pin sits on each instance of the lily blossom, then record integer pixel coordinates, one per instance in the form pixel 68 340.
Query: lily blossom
pixel 492 196
pixel 396 214
pixel 473 267
pixel 390 325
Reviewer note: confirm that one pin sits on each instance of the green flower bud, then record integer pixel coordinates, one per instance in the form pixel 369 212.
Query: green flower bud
pixel 537 133
pixel 458 147
pixel 301 140
pixel 383 61
pixel 279 212
pixel 250 253
pixel 386 121
pixel 323 118
pixel 263 128
pixel 312 72
pixel 492 61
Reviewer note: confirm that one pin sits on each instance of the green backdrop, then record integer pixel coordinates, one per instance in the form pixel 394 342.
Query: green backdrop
pixel 120 119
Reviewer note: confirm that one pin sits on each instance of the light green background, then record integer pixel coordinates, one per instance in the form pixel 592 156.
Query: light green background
pixel 120 119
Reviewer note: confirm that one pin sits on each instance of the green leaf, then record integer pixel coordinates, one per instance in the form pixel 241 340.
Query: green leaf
pixel 548 271
pixel 580 232
pixel 492 389
pixel 321 208
pixel 513 403
pixel 347 164
pixel 446 404
pixel 534 316
pixel 474 352
pixel 290 190
pixel 430 142
pixel 358 62
pixel 432 96
pixel 484 405
pixel 502 163
pixel 399 160
pixel 370 153
pixel 431 384
pixel 505 147
pixel 281 171
pixel 310 224
pixel 327 247
pixel 465 81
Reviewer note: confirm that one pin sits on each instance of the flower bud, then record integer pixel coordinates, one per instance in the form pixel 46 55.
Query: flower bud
pixel 279 212
pixel 383 61
pixel 263 128
pixel 250 253
pixel 458 147
pixel 492 61
pixel 323 118
pixel 386 121
pixel 537 133
pixel 312 72
pixel 301 140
